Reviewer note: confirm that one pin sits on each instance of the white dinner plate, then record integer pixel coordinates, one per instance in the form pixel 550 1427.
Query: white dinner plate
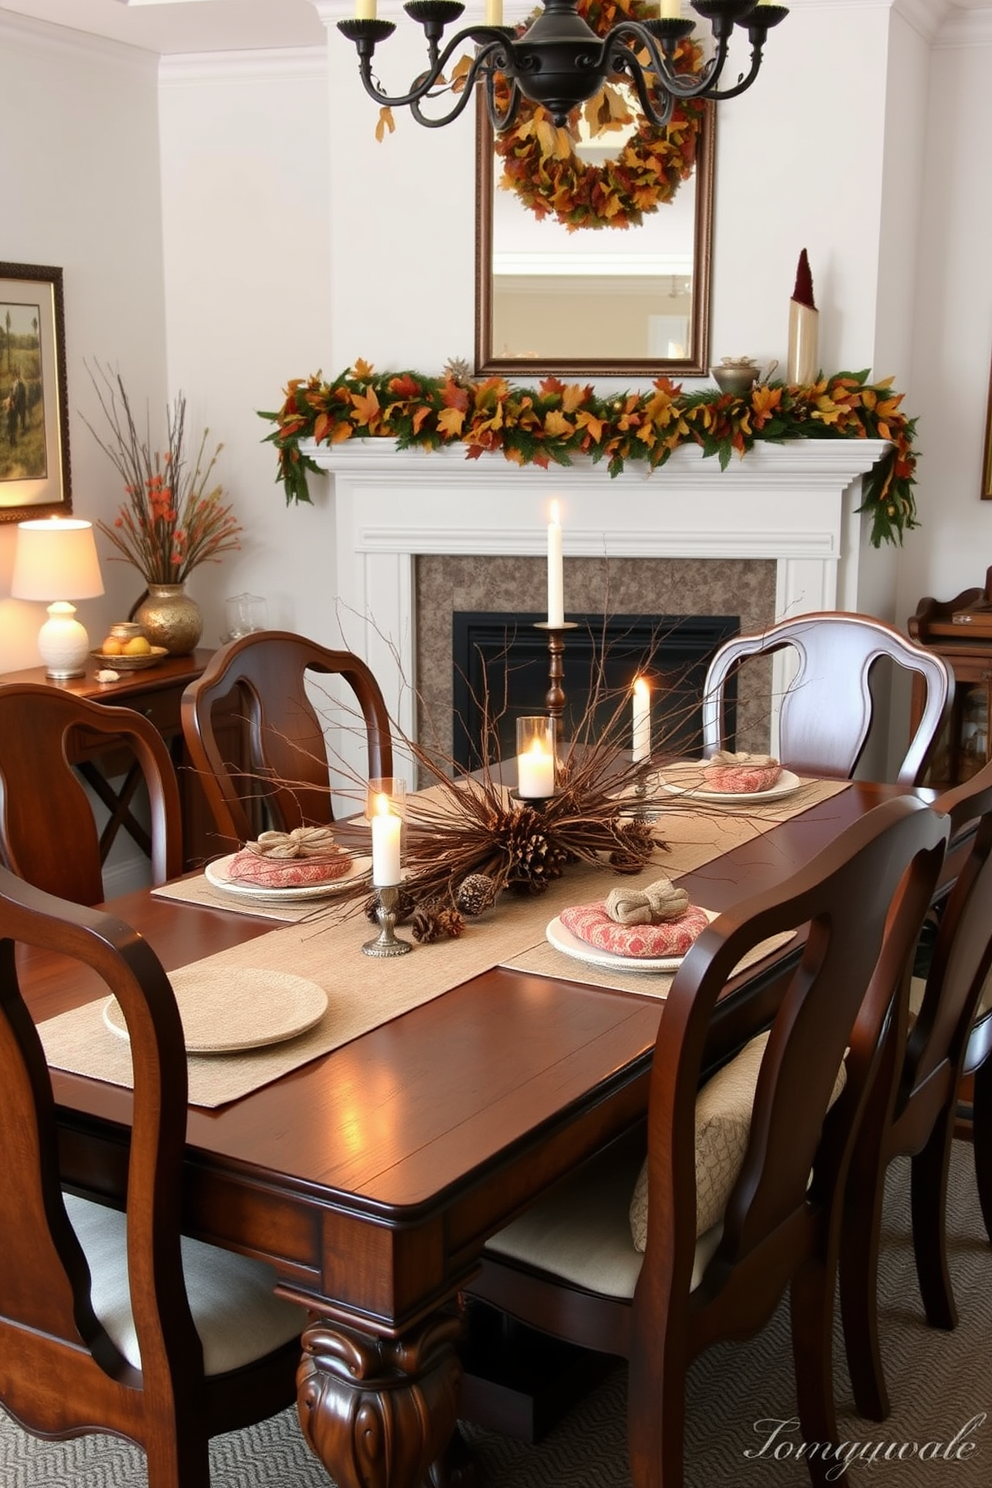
pixel 224 1011
pixel 216 873
pixel 785 785
pixel 563 940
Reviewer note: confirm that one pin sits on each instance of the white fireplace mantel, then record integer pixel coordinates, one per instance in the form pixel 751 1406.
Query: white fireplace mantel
pixel 795 503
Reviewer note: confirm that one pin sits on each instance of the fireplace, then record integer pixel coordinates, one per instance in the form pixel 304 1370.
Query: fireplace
pixel 785 513
pixel 502 655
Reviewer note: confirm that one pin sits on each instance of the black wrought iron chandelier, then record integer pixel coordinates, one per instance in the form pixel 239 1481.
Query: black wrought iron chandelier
pixel 559 61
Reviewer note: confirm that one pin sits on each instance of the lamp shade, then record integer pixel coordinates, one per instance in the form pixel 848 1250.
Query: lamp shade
pixel 56 558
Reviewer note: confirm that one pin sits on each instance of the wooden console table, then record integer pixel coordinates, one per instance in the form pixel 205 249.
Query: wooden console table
pixel 155 691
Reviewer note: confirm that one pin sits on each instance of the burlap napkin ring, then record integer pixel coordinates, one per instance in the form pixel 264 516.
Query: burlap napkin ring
pixel 301 842
pixel 752 761
pixel 659 902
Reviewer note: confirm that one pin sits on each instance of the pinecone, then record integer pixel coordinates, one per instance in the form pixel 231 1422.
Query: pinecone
pixel 475 894
pixel 458 369
pixel 404 907
pixel 634 845
pixel 435 921
pixel 533 858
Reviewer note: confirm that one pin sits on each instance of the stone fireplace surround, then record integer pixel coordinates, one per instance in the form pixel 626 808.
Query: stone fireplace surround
pixel 792 506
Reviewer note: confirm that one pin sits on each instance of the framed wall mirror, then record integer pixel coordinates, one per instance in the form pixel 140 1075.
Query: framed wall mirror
pixel 604 301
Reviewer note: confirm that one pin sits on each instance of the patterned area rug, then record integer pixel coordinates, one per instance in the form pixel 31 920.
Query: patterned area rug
pixel 740 1404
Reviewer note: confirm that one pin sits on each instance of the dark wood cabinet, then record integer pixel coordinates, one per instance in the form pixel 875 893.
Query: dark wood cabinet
pixel 155 691
pixel 959 630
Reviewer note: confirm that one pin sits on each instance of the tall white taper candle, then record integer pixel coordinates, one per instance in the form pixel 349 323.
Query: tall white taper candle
pixel 556 578
pixel 642 721
pixel 386 829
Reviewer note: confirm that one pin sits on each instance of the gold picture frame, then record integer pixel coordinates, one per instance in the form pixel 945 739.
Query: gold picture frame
pixel 34 426
pixel 987 459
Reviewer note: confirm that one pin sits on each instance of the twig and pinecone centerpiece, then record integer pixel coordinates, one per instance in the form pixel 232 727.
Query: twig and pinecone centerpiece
pixel 470 840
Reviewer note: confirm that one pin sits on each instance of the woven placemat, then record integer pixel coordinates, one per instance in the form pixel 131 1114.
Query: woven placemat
pixel 544 960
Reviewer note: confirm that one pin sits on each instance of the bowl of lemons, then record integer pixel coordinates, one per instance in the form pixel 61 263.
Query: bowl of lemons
pixel 126 648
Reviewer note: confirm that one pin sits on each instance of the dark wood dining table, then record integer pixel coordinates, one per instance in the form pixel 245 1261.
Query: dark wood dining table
pixel 371 1177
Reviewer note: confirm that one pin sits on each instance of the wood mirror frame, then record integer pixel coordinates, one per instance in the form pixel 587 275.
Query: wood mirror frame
pixel 696 361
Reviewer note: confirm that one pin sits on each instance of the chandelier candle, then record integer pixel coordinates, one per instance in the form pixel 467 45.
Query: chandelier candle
pixel 642 721
pixel 556 578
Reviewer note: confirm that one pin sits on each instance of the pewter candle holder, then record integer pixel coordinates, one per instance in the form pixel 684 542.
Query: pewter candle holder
pixel 642 810
pixel 387 943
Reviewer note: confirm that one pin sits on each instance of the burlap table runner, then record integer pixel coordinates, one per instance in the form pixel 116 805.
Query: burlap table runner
pixel 364 992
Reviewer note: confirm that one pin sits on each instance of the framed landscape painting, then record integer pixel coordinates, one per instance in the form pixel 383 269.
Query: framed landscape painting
pixel 34 429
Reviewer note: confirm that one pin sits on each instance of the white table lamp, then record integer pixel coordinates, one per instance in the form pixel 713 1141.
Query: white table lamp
pixel 58 556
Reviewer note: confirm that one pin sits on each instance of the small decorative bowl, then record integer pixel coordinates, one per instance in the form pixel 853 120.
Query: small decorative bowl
pixel 125 663
pixel 736 375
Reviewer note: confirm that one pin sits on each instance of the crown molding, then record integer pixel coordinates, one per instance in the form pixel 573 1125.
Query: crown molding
pixel 41 38
pixel 963 28
pixel 925 16
pixel 260 65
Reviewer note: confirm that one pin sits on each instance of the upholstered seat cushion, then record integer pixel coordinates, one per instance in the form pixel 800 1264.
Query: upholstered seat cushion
pixel 581 1229
pixel 237 1314
pixel 589 1231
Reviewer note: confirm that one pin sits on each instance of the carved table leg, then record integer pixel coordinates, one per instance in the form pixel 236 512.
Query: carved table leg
pixel 378 1412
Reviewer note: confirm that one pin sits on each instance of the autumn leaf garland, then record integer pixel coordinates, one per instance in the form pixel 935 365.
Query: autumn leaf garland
pixel 551 423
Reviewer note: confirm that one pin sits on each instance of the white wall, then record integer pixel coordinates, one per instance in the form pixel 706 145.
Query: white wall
pixel 79 189
pixel 245 152
pixel 952 330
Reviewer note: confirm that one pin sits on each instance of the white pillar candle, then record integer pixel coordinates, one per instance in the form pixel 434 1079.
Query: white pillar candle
pixel 365 10
pixel 642 721
pixel 670 10
pixel 536 773
pixel 494 12
pixel 556 579
pixel 386 829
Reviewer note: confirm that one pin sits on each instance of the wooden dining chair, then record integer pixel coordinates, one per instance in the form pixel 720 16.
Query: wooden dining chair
pixel 108 1320
pixel 725 1237
pixel 826 710
pixel 48 830
pixel 914 1104
pixel 286 754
